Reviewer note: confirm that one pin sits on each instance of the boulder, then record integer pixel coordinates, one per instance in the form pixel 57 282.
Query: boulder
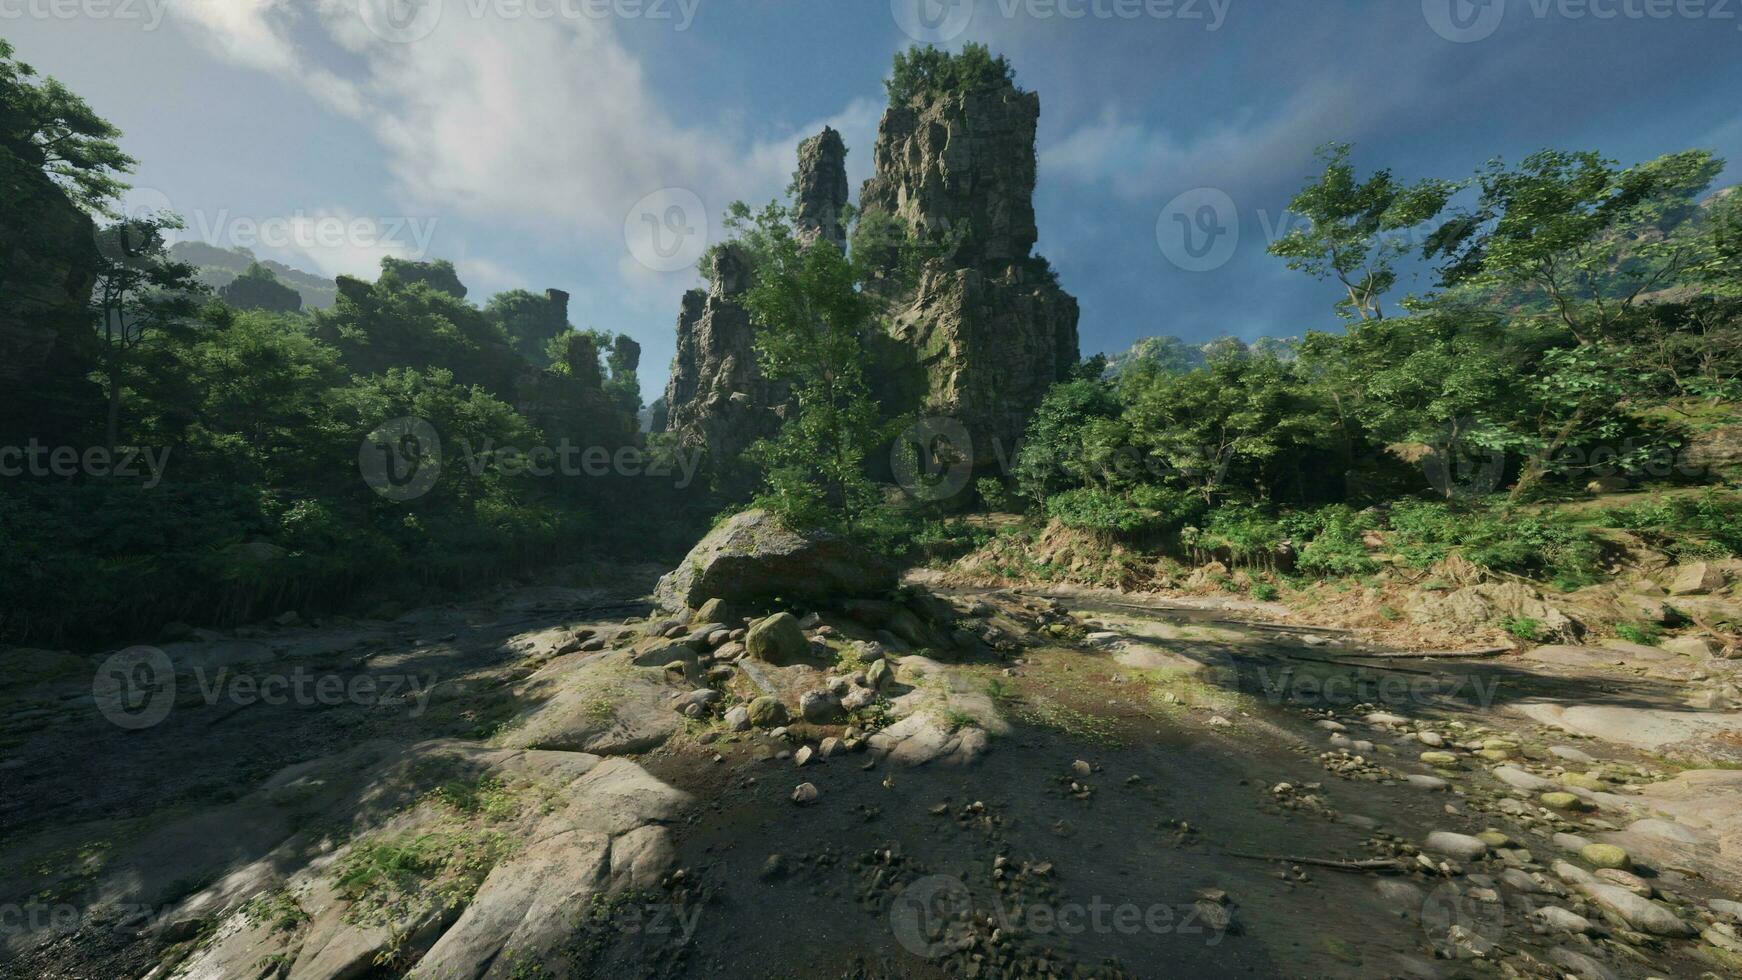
pixel 1698 578
pixel 768 712
pixel 777 640
pixel 754 558
pixel 820 707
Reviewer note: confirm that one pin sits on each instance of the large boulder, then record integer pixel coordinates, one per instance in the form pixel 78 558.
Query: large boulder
pixel 753 558
pixel 777 640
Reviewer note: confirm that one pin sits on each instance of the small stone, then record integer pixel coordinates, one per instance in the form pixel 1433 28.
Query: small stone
pixel 1519 779
pixel 1494 838
pixel 1460 846
pixel 1432 784
pixel 1606 856
pixel 830 747
pixel 1625 879
pixel 767 712
pixel 804 755
pixel 1561 920
pixel 774 867
pixel 1564 801
pixel 1430 739
pixel 805 794
pixel 820 707
pixel 738 719
pixel 1082 768
pixel 1583 781
pixel 1439 760
pixel 1571 754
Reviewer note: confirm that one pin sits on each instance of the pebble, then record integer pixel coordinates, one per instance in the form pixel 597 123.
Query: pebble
pixel 1432 784
pixel 1571 842
pixel 1625 879
pixel 1561 920
pixel 1519 779
pixel 1564 801
pixel 1440 760
pixel 1580 965
pixel 1461 846
pixel 805 793
pixel 1606 856
pixel 803 756
pixel 1641 913
pixel 1570 754
pixel 1430 739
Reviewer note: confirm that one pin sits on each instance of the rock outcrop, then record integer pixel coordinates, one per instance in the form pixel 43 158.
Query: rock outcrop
pixel 753 558
pixel 981 334
pixel 820 188
pixel 717 396
pixel 986 330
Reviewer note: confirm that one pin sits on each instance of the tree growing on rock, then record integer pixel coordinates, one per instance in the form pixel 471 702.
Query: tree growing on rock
pixel 810 317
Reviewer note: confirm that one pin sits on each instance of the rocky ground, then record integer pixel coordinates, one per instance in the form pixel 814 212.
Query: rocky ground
pixel 558 781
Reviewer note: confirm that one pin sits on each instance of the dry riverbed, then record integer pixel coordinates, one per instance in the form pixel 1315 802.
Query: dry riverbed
pixel 548 783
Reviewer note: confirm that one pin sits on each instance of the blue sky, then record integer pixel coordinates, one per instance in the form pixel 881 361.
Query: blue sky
pixel 548 142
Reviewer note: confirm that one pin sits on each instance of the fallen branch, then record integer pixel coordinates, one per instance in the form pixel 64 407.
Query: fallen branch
pixel 1375 864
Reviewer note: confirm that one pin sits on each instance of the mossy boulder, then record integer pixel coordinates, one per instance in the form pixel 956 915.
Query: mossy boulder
pixel 777 640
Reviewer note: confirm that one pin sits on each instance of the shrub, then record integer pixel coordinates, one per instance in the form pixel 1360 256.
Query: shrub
pixel 1100 511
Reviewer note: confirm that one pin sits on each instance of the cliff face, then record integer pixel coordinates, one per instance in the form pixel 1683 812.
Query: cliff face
pixel 716 396
pixel 987 329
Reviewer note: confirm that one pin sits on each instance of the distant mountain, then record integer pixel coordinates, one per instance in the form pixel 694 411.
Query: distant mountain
pixel 218 267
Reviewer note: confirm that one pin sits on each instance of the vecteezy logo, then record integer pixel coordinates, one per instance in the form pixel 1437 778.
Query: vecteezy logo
pixel 1464 21
pixel 132 238
pixel 932 21
pixel 401 460
pixel 400 21
pixel 667 230
pixel 923 913
pixel 933 459
pixel 135 688
pixel 1199 230
pixel 1457 467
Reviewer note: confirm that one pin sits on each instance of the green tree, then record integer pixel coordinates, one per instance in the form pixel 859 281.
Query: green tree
pixel 44 127
pixel 1588 238
pixel 921 72
pixel 257 288
pixel 809 315
pixel 1351 233
pixel 139 290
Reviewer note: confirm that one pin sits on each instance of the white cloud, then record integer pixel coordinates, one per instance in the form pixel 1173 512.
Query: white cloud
pixel 1241 151
pixel 546 125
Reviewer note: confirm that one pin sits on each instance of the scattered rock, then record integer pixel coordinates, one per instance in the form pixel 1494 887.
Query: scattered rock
pixel 805 794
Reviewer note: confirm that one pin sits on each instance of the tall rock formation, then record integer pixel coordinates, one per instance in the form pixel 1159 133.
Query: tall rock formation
pixel 820 188
pixel 981 333
pixel 986 330
pixel 717 396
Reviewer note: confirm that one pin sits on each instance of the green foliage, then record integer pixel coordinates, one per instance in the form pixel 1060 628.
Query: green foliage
pixel 1351 231
pixel 993 494
pixel 1645 634
pixel 1265 592
pixel 809 316
pixel 45 127
pixel 1709 525
pixel 921 73
pixel 1332 539
pixel 1100 511
pixel 1523 627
